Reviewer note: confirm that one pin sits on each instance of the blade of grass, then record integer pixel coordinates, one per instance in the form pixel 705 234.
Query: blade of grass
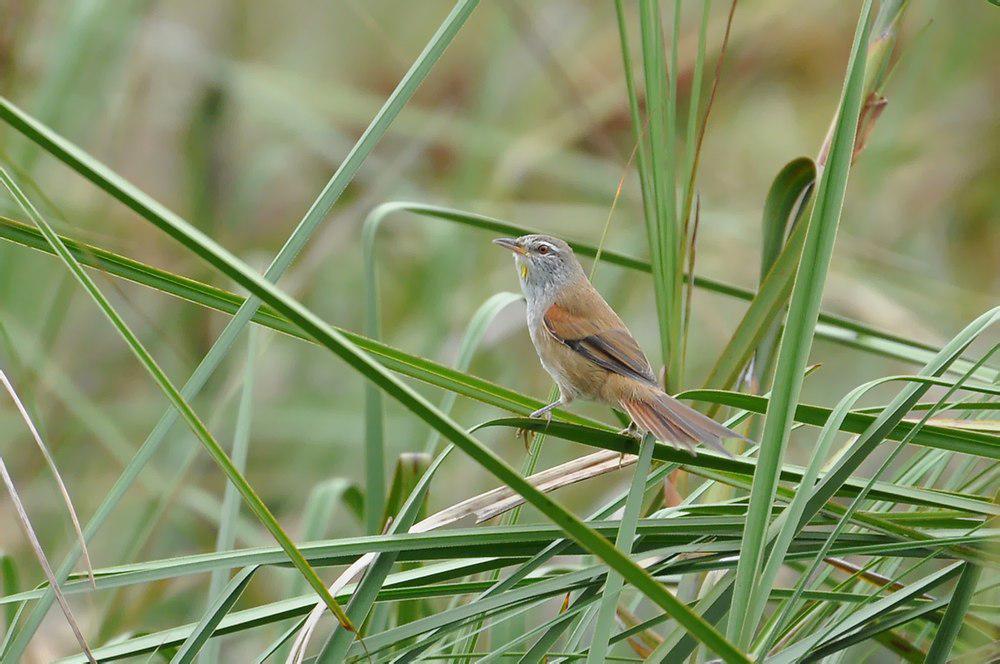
pixel 791 520
pixel 855 503
pixel 951 623
pixel 786 203
pixel 833 328
pixel 50 462
pixel 36 547
pixel 132 197
pixel 221 605
pixel 513 544
pixel 623 541
pixel 374 411
pixel 226 535
pixel 335 649
pixel 250 496
pixel 796 340
pixel 663 225
pixel 9 585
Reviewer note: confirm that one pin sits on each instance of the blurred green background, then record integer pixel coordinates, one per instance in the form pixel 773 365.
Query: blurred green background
pixel 234 114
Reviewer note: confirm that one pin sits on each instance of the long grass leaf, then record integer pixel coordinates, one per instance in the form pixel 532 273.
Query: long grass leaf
pixel 951 623
pixel 374 415
pixel 624 540
pixel 221 605
pixel 363 597
pixel 226 536
pixel 796 340
pixel 837 329
pixel 250 496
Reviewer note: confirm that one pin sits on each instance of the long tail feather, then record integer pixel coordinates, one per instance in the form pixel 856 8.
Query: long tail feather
pixel 672 422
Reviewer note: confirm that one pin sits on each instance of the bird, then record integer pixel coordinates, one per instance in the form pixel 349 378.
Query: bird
pixel 586 348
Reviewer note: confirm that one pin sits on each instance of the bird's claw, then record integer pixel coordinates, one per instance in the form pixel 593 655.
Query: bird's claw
pixel 632 431
pixel 526 433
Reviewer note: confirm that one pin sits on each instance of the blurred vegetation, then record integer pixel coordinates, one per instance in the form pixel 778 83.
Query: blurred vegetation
pixel 234 114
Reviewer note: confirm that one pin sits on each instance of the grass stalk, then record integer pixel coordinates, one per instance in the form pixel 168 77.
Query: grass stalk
pixel 796 341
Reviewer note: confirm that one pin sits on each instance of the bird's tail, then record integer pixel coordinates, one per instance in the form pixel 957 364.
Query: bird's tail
pixel 672 422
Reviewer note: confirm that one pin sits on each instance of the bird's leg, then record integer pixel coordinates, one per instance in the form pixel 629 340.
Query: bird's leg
pixel 546 412
pixel 632 431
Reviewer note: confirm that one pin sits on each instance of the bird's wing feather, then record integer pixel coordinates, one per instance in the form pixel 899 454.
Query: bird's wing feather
pixel 599 336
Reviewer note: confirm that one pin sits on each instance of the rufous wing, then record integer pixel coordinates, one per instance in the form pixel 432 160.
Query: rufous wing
pixel 597 334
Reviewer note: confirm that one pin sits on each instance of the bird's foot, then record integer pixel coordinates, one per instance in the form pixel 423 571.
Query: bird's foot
pixel 526 434
pixel 632 431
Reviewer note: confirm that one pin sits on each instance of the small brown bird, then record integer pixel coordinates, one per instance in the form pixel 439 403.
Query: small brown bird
pixel 586 348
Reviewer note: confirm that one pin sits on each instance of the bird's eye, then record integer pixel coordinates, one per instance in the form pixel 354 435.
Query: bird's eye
pixel 543 249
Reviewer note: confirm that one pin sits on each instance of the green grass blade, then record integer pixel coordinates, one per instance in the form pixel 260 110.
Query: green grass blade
pixel 855 503
pixel 374 410
pixel 250 496
pixel 796 340
pixel 837 329
pixel 374 416
pixel 9 585
pixel 871 612
pixel 364 596
pixel 776 286
pixel 792 520
pixel 953 618
pixel 667 266
pixel 226 535
pixel 221 605
pixel 624 540
pixel 150 209
pixel 491 547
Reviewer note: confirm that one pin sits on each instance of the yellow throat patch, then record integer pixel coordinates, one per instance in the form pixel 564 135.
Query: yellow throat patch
pixel 524 270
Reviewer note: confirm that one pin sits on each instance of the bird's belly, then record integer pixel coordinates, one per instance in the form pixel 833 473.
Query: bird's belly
pixel 576 376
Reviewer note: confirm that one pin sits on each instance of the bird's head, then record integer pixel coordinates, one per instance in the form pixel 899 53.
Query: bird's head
pixel 544 263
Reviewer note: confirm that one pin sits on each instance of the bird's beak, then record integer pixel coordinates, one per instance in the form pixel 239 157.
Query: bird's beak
pixel 511 244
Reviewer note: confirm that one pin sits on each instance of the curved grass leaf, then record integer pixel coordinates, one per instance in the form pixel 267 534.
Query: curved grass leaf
pixel 374 412
pixel 776 283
